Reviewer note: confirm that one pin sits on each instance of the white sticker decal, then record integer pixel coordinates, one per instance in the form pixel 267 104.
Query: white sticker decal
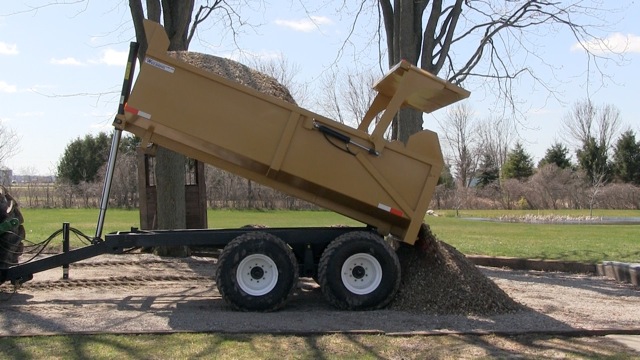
pixel 159 65
pixel 144 115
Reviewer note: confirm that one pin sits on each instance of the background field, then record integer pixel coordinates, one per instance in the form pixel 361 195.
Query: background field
pixel 577 242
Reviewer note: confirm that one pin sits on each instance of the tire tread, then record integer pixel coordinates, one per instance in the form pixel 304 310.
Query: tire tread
pixel 325 261
pixel 227 283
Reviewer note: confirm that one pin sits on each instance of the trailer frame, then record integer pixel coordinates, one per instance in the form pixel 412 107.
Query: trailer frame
pixel 307 245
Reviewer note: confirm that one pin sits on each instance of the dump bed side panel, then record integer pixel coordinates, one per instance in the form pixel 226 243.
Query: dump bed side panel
pixel 265 139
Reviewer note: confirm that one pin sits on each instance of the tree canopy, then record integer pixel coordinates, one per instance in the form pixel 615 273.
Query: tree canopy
pixel 82 158
pixel 626 158
pixel 446 178
pixel 557 154
pixel 519 164
pixel 593 159
pixel 488 171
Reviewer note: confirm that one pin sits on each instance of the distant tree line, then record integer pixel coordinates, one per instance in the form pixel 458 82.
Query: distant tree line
pixel 484 171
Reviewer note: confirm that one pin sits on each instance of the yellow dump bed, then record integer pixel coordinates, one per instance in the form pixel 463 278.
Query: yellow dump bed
pixel 363 176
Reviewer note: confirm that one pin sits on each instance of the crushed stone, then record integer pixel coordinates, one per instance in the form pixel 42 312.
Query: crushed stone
pixel 235 71
pixel 438 279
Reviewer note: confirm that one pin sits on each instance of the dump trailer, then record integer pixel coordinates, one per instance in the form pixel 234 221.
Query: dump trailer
pixel 357 172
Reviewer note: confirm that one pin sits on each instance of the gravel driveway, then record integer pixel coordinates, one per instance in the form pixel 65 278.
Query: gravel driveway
pixel 145 293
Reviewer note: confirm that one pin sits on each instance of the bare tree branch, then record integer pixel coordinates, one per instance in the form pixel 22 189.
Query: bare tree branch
pixel 9 142
pixel 495 136
pixel 346 98
pixel 284 72
pixel 458 131
pixel 587 121
pixel 36 9
pixel 201 15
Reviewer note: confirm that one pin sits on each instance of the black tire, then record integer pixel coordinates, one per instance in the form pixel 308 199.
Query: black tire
pixel 256 271
pixel 359 271
pixel 11 246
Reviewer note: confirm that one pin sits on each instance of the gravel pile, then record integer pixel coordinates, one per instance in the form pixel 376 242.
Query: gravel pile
pixel 439 280
pixel 235 71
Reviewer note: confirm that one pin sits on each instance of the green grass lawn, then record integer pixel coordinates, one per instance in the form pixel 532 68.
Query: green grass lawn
pixel 40 223
pixel 573 242
pixel 586 243
pixel 280 347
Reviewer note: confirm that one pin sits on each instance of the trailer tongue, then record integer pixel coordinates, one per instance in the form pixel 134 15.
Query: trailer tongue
pixel 386 185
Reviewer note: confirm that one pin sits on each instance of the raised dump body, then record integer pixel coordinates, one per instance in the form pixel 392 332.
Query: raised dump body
pixel 358 173
pixel 350 171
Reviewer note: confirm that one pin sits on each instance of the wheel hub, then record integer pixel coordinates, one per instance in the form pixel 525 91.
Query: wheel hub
pixel 358 272
pixel 257 274
pixel 361 273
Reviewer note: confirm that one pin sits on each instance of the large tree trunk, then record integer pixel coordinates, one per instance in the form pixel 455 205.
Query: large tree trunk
pixel 171 211
pixel 403 25
pixel 409 123
pixel 170 166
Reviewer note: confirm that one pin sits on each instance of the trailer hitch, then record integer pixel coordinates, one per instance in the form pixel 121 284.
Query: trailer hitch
pixel 327 131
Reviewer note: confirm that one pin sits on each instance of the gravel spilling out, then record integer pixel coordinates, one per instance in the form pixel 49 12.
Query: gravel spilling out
pixel 439 280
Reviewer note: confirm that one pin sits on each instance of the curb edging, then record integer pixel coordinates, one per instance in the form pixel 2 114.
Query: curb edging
pixel 619 271
pixel 623 272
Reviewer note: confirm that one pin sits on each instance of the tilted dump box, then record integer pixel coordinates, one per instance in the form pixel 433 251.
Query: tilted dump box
pixel 384 184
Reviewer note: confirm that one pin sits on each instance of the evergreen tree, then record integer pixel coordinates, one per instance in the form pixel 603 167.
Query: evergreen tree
pixel 557 154
pixel 519 164
pixel 129 144
pixel 488 171
pixel 83 158
pixel 626 158
pixel 593 159
pixel 446 178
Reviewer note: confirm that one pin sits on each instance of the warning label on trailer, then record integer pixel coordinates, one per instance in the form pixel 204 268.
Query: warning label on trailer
pixel 159 65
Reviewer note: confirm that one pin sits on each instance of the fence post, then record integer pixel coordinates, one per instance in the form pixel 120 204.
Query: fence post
pixel 65 249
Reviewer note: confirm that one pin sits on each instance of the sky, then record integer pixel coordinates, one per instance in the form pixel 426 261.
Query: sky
pixel 62 64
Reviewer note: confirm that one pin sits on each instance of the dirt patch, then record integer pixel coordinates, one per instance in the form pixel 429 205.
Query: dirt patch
pixel 146 293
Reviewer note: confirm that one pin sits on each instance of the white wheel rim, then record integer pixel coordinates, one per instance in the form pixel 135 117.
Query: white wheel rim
pixel 257 274
pixel 361 273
